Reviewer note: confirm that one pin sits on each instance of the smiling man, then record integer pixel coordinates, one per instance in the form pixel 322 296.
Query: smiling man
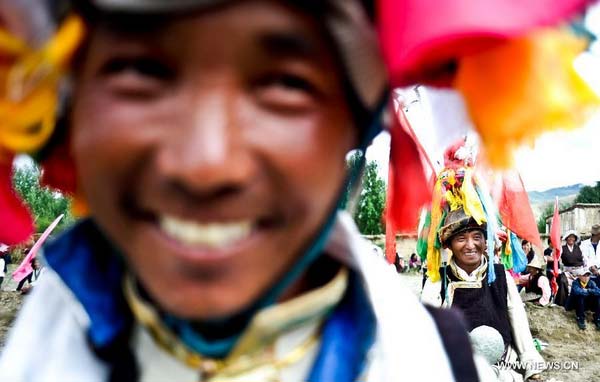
pixel 208 139
pixel 210 142
pixel 497 304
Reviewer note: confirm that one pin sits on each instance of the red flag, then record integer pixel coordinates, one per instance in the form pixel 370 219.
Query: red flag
pixel 390 231
pixel 555 240
pixel 59 169
pixel 408 188
pixel 515 209
pixel 17 224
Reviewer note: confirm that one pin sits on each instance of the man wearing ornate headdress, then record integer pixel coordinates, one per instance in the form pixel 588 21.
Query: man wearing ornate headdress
pixel 465 285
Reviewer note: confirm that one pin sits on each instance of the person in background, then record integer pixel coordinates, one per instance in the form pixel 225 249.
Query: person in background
pixel 29 277
pixel 591 252
pixel 400 264
pixel 497 305
pixel 5 252
pixel 414 263
pixel 3 266
pixel 34 276
pixel 424 273
pixel 535 281
pixel 585 296
pixel 571 258
pixel 549 258
pixel 528 250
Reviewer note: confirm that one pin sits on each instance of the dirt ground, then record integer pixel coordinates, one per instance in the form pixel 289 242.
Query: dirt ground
pixel 10 302
pixel 573 353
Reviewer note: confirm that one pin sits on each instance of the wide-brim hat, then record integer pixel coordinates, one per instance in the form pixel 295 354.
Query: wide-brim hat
pixel 581 272
pixel 571 232
pixel 536 263
pixel 458 221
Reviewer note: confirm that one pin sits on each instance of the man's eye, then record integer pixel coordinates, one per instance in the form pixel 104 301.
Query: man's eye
pixel 136 78
pixel 288 92
pixel 289 81
pixel 142 66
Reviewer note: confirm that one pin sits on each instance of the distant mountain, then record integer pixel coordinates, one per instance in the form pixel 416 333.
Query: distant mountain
pixel 539 199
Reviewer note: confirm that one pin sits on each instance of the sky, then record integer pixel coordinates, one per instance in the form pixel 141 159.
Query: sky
pixel 555 159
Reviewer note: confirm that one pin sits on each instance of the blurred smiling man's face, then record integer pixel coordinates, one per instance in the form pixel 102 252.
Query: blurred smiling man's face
pixel 211 148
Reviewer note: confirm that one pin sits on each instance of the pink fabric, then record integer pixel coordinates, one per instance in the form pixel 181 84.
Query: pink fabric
pixel 544 285
pixel 420 38
pixel 522 279
pixel 25 267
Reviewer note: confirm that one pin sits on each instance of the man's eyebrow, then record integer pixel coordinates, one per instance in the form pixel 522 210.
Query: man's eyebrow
pixel 132 26
pixel 288 44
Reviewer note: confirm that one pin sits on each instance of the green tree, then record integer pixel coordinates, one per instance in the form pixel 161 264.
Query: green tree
pixel 368 215
pixel 589 194
pixel 44 203
pixel 354 170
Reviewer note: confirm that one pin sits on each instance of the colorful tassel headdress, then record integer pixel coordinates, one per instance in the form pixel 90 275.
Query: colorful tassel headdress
pixel 514 72
pixel 459 202
pixel 511 61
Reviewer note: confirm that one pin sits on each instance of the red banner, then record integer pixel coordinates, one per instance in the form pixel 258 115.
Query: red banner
pixel 555 240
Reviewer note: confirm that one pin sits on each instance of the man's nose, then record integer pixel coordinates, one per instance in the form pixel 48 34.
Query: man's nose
pixel 206 150
pixel 470 243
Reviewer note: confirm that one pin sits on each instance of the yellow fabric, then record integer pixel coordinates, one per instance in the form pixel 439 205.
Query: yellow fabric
pixel 471 203
pixel 508 246
pixel 583 284
pixel 434 257
pixel 10 46
pixel 30 80
pixel 522 88
pixel 454 197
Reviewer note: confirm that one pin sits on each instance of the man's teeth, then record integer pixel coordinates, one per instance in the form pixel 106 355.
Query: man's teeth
pixel 212 235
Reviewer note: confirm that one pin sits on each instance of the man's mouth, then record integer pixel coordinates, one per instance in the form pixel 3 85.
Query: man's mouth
pixel 206 235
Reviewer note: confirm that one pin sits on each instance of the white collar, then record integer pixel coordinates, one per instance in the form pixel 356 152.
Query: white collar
pixel 477 273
